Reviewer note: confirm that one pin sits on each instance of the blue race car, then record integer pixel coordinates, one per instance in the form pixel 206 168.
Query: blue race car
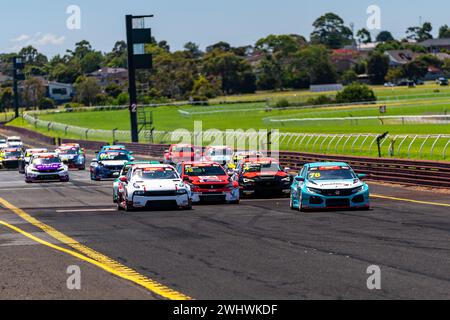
pixel 329 185
pixel 109 164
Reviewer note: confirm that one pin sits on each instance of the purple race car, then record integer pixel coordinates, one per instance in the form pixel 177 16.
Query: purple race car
pixel 46 167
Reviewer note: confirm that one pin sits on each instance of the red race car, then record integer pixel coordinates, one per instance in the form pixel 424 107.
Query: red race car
pixel 263 176
pixel 178 153
pixel 209 182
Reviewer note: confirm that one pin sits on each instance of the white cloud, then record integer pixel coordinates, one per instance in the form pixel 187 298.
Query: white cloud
pixel 49 39
pixel 21 38
pixel 38 40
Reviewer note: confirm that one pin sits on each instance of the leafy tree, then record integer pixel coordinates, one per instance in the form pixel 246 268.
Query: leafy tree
pixel 394 75
pixel 46 103
pixel 113 90
pixel 91 62
pixel 349 76
pixel 446 66
pixel 235 73
pixel 364 36
pixel 87 90
pixel 416 69
pixel 385 36
pixel 377 67
pixel 193 49
pixel 280 44
pixel 355 93
pixel 444 32
pixel 420 33
pixel 118 57
pixel 173 74
pixel 164 45
pixel 32 56
pixel 222 45
pixel 269 74
pixel 6 99
pixel 315 61
pixel 34 91
pixel 330 31
pixel 82 48
pixel 204 88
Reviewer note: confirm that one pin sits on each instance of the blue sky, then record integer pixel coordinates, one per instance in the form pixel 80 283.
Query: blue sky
pixel 43 23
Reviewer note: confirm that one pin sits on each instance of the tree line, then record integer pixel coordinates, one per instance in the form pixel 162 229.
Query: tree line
pixel 275 62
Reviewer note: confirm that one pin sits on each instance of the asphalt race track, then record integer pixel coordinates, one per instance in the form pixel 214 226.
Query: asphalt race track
pixel 257 250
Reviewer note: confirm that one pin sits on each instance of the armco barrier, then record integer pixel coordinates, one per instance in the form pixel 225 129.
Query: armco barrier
pixel 408 172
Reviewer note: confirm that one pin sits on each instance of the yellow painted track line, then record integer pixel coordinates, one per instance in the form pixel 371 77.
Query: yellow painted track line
pixel 410 200
pixel 91 256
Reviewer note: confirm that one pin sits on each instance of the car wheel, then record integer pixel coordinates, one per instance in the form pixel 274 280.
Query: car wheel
pixel 128 207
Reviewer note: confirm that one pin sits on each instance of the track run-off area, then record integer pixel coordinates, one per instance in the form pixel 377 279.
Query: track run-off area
pixel 259 249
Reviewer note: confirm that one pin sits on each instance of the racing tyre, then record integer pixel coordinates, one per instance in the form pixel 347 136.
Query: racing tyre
pixel 128 207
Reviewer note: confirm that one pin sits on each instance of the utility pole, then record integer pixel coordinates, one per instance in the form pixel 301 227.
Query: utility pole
pixel 137 37
pixel 18 75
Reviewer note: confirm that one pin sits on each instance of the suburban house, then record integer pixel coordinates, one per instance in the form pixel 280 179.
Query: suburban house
pixel 399 58
pixel 436 45
pixel 60 92
pixel 107 76
pixel 344 59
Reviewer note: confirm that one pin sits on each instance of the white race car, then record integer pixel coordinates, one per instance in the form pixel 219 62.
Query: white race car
pixel 3 144
pixel 46 167
pixel 153 186
pixel 14 142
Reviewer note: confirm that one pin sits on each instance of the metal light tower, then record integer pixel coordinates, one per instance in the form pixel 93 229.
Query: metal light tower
pixel 137 37
pixel 18 75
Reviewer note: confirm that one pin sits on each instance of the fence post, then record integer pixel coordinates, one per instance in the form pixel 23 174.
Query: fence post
pixel 423 145
pixel 410 146
pixel 401 144
pixel 434 145
pixel 444 154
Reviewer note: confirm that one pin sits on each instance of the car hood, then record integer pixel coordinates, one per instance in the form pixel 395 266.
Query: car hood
pixel 161 185
pixel 45 167
pixel 68 156
pixel 252 175
pixel 219 158
pixel 335 184
pixel 209 179
pixel 113 163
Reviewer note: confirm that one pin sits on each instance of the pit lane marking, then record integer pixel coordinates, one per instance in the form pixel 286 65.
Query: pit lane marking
pixel 89 255
pixel 377 196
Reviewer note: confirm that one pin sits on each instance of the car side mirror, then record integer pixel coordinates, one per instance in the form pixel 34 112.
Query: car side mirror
pixel 299 179
pixel 186 179
pixel 362 176
pixel 123 179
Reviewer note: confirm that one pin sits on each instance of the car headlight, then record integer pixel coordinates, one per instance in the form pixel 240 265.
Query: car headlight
pixel 248 180
pixel 358 190
pixel 312 190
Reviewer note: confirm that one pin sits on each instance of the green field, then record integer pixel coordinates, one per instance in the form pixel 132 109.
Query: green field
pixel 420 101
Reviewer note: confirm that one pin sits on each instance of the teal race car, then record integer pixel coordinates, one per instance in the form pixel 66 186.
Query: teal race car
pixel 329 185
pixel 124 173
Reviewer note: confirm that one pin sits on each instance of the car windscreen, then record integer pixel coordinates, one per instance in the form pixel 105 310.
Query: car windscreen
pixel 113 156
pixel 70 152
pixel 262 167
pixel 43 161
pixel 155 174
pixel 184 150
pixel 199 171
pixel 15 154
pixel 220 152
pixel 336 174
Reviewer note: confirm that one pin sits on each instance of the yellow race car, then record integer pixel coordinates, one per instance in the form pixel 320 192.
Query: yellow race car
pixel 10 158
